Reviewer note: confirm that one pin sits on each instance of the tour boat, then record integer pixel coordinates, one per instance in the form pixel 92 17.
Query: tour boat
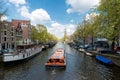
pixel 23 52
pixel 57 59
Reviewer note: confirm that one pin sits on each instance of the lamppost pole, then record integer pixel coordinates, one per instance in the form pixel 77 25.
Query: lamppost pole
pixel 84 34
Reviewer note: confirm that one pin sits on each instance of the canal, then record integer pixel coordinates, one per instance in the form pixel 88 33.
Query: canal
pixel 79 67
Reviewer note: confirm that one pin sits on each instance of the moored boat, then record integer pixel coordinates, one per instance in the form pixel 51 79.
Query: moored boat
pixel 57 59
pixel 89 54
pixel 104 60
pixel 23 52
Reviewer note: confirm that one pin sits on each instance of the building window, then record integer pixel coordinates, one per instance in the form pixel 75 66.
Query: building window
pixel 12 34
pixel 5 39
pixel 12 38
pixel 12 45
pixel 5 32
pixel 5 26
pixel 3 45
pixel 12 28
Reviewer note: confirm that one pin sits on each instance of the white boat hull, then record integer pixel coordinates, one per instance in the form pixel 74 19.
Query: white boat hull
pixel 89 54
pixel 11 57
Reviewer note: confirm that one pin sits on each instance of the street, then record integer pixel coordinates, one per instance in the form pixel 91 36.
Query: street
pixel 79 67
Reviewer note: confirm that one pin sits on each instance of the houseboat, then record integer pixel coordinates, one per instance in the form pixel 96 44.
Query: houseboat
pixel 23 52
pixel 57 59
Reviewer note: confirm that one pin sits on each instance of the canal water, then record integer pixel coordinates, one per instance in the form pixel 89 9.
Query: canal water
pixel 79 67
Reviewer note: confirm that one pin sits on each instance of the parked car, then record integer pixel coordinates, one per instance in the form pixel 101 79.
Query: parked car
pixel 117 49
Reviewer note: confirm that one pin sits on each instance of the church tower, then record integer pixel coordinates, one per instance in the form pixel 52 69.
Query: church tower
pixel 65 35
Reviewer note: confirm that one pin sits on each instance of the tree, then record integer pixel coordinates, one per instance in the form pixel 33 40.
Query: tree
pixel 34 33
pixel 3 9
pixel 109 12
pixel 39 32
pixel 42 31
pixel 88 28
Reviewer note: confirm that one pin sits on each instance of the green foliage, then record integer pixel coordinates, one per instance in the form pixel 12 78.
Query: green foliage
pixel 40 33
pixel 110 17
pixel 105 25
pixel 86 29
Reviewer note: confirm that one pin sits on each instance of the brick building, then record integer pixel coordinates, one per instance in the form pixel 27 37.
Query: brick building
pixel 23 31
pixel 7 35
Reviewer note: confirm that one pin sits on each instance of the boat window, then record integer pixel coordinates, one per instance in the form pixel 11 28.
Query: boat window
pixel 57 60
pixel 23 55
pixel 50 60
pixel 61 61
pixel 54 60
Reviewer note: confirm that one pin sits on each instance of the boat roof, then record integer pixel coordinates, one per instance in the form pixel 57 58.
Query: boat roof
pixel 59 54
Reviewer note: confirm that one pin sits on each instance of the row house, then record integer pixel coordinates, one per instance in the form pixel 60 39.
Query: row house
pixel 7 35
pixel 23 31
pixel 16 32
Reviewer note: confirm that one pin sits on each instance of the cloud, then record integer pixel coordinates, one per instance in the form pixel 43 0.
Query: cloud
pixel 80 5
pixel 24 12
pixel 17 2
pixel 91 16
pixel 36 16
pixel 4 18
pixel 39 16
pixel 58 29
pixel 70 28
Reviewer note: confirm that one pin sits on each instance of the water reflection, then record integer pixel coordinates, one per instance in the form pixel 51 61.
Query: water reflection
pixel 79 67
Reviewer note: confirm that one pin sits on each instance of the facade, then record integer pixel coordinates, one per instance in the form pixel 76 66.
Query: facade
pixel 23 30
pixel 7 35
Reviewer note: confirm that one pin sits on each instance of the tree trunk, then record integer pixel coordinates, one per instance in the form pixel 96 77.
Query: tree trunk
pixel 84 42
pixel 92 42
pixel 113 45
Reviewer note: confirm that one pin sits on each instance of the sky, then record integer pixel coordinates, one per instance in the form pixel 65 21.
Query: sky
pixel 56 15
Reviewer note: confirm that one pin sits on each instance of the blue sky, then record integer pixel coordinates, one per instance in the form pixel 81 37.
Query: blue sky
pixel 55 14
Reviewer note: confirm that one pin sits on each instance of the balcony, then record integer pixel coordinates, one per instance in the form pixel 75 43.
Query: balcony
pixel 19 42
